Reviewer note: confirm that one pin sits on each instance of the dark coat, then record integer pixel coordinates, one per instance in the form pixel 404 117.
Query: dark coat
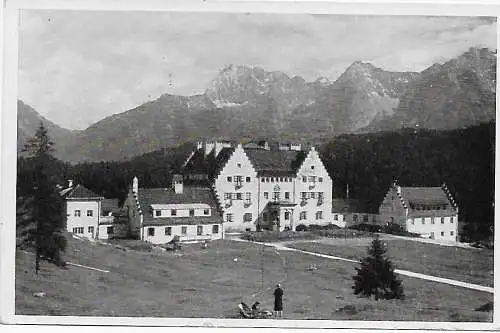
pixel 278 299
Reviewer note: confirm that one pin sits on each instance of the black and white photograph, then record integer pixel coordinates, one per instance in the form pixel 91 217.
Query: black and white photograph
pixel 253 168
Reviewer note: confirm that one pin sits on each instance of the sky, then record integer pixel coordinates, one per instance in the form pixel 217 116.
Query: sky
pixel 78 67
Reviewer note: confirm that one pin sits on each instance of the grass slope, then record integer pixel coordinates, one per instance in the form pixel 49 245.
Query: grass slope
pixel 208 283
pixel 467 265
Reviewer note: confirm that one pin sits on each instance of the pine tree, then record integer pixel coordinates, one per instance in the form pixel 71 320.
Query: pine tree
pixel 376 275
pixel 42 219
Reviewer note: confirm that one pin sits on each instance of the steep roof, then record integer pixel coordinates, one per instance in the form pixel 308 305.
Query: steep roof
pixel 426 196
pixel 79 192
pixel 341 205
pixel 197 162
pixel 275 162
pixel 190 194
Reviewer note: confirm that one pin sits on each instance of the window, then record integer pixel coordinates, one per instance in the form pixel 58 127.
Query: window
pixel 451 233
pixel 281 179
pixel 313 195
pixel 90 212
pixel 312 167
pixel 157 212
pixel 267 179
pixel 287 215
pixel 365 218
pixel 355 218
pixel 320 179
pixel 168 231
pixel 304 179
pixel 312 179
pixel 239 196
pixel 229 179
pixel 276 196
pixel 239 165
pixel 91 230
pixel 206 211
pixel 227 196
pixel 442 220
pixel 215 229
pixel 199 230
pixel 77 213
pixel 287 195
pixel 303 216
pixel 442 233
pixel 248 179
pixel 451 219
pixel 266 195
pixel 247 217
pixel 110 230
pixel 78 230
pixel 319 215
pixel 151 231
pixel 272 179
pixel 423 221
pixel 433 220
pixel 303 195
pixel 262 179
pixel 184 230
pixel 229 217
pixel 432 235
pixel 335 217
pixel 191 212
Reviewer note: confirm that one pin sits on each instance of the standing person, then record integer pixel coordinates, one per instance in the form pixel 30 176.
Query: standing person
pixel 278 301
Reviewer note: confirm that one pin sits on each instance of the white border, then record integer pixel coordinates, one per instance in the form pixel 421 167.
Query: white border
pixel 8 152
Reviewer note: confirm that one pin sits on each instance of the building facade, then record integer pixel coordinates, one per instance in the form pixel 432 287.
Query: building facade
pixel 349 212
pixel 83 211
pixel 264 188
pixel 429 211
pixel 157 215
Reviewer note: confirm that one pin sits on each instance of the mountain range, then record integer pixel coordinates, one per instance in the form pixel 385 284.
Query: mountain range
pixel 247 103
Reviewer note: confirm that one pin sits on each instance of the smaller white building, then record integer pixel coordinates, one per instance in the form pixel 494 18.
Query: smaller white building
pixel 83 210
pixel 157 215
pixel 349 212
pixel 429 211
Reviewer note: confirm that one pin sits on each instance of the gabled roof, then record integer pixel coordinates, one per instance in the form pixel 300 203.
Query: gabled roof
pixel 197 162
pixel 167 196
pixel 79 192
pixel 275 162
pixel 425 196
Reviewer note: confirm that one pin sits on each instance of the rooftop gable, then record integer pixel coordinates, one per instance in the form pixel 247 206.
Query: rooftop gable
pixel 79 192
pixel 272 162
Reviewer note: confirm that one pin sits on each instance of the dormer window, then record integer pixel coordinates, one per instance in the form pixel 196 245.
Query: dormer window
pixel 157 212
pixel 229 179
pixel 173 212
pixel 239 165
pixel 206 212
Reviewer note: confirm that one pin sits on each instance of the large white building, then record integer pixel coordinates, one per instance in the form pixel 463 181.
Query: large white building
pixel 265 188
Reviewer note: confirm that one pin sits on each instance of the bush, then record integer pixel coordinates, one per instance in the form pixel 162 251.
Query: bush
pixel 301 227
pixel 276 236
pixel 366 227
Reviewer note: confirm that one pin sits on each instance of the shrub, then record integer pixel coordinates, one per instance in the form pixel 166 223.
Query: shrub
pixel 301 227
pixel 376 275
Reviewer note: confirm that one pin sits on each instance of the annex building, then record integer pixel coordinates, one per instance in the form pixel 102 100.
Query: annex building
pixel 429 211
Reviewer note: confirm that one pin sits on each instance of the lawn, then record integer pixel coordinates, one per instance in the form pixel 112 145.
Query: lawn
pixel 467 265
pixel 209 283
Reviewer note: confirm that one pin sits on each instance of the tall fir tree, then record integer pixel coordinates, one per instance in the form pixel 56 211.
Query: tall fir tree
pixel 42 220
pixel 376 275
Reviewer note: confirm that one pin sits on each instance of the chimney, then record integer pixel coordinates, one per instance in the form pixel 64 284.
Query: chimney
pixel 135 185
pixel 70 183
pixel 177 184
